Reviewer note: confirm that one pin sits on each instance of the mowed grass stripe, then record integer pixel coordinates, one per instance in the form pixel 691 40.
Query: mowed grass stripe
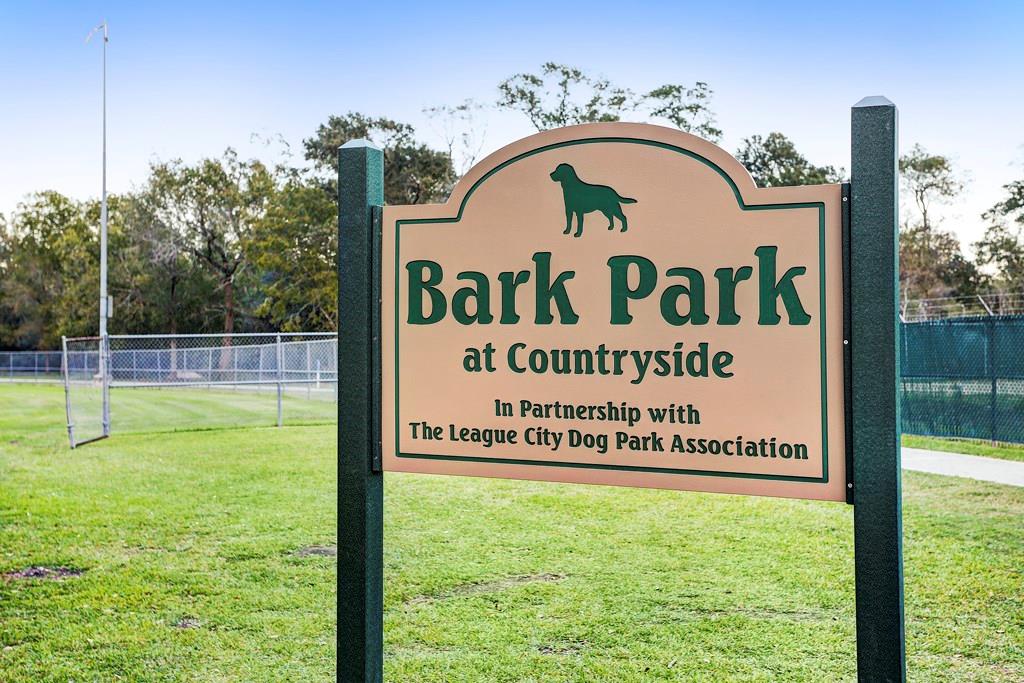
pixel 190 545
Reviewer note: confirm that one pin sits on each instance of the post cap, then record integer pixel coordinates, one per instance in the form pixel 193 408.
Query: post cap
pixel 874 101
pixel 359 142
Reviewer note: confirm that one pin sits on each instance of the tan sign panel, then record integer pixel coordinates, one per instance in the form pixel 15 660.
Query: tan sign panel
pixel 617 304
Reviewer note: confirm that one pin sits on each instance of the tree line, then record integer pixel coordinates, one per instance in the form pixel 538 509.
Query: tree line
pixel 237 245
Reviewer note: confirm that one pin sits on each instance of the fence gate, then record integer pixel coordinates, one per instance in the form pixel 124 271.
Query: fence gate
pixel 86 389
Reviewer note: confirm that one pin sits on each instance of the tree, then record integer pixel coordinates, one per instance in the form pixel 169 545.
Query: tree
pixel 1002 246
pixel 932 264
pixel 929 179
pixel 49 262
pixel 8 319
pixel 562 95
pixel 214 205
pixel 460 127
pixel 413 173
pixel 51 281
pixel 774 161
pixel 160 270
pixel 688 109
pixel 1011 208
pixel 295 248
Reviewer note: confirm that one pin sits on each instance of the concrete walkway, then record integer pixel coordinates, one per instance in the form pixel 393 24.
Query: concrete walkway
pixel 971 466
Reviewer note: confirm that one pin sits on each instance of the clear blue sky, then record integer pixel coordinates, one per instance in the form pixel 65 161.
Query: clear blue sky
pixel 188 79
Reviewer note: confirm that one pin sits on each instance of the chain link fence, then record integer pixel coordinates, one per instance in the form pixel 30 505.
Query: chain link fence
pixel 200 381
pixel 30 366
pixel 961 377
pixel 964 378
pixel 86 390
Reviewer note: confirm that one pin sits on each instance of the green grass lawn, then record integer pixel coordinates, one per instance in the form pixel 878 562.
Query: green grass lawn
pixel 190 545
pixel 970 447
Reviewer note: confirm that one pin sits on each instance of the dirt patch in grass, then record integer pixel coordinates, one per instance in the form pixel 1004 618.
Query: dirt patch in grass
pixel 317 551
pixel 487 587
pixel 187 622
pixel 564 649
pixel 43 573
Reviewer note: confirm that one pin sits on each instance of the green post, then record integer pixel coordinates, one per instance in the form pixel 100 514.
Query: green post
pixel 360 488
pixel 875 369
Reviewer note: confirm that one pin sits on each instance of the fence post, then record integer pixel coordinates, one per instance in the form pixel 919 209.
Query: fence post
pixel 994 393
pixel 105 373
pixel 877 512
pixel 67 388
pixel 280 377
pixel 360 594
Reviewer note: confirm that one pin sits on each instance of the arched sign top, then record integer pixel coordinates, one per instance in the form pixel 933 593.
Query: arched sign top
pixel 714 157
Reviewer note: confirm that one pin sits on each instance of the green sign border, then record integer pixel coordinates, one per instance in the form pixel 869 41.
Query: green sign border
pixel 630 468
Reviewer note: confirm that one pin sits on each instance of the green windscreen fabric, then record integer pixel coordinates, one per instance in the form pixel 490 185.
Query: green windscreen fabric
pixel 964 378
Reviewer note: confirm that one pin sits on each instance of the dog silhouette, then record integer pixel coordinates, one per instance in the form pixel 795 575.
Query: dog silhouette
pixel 582 198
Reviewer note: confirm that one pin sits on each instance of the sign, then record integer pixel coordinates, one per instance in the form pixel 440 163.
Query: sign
pixel 617 304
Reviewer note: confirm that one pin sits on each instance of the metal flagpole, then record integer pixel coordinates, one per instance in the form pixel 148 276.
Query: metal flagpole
pixel 103 197
pixel 104 299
